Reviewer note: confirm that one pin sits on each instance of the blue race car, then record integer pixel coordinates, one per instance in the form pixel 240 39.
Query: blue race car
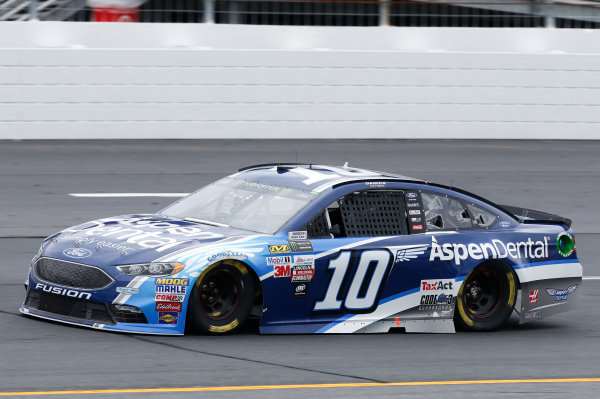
pixel 309 249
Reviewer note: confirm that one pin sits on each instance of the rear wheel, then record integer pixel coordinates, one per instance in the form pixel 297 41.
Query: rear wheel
pixel 221 299
pixel 486 298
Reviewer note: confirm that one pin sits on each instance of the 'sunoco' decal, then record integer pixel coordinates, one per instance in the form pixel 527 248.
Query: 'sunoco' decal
pixel 168 318
pixel 77 252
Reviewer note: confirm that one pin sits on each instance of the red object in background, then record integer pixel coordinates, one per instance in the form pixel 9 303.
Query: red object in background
pixel 115 10
pixel 115 14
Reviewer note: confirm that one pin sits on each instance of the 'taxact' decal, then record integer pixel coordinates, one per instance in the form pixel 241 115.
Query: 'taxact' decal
pixel 437 285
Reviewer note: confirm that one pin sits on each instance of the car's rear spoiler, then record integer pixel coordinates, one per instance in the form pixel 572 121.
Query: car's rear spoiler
pixel 530 216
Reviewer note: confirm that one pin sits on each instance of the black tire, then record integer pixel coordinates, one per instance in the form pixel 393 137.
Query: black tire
pixel 221 299
pixel 486 298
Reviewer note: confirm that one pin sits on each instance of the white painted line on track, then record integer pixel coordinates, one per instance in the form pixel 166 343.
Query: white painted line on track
pixel 591 277
pixel 126 195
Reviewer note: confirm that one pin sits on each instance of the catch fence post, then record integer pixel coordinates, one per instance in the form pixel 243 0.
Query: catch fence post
pixel 209 11
pixel 384 12
pixel 33 15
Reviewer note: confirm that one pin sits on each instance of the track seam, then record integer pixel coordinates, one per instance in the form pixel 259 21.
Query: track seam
pixel 257 361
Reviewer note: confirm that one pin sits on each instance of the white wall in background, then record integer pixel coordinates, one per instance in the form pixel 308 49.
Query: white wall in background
pixel 115 81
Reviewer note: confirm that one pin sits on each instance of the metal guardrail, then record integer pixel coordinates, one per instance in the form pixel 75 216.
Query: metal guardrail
pixel 435 13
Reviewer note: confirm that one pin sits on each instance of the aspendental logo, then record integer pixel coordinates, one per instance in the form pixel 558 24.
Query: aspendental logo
pixel 494 250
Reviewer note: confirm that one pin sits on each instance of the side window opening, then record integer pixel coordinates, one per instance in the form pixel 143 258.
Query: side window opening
pixel 362 214
pixel 319 226
pixel 482 217
pixel 447 213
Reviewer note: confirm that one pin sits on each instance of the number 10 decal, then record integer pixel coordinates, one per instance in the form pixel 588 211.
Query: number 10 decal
pixel 365 286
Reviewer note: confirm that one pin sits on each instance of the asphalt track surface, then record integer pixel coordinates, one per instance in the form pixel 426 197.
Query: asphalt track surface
pixel 45 357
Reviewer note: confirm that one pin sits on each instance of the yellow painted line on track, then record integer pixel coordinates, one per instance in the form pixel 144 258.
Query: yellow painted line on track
pixel 303 386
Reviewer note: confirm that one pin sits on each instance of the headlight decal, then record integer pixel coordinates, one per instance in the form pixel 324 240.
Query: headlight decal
pixel 154 269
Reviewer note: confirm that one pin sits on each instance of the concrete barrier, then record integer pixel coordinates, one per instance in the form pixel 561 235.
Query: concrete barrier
pixel 126 81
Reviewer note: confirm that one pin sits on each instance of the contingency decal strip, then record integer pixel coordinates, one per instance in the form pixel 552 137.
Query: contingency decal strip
pixel 334 250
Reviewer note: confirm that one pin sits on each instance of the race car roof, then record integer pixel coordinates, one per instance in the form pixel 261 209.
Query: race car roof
pixel 312 177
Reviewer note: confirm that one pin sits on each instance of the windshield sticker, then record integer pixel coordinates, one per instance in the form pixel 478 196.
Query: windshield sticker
pixel 272 189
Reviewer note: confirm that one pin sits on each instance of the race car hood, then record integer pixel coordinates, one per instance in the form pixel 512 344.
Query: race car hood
pixel 132 239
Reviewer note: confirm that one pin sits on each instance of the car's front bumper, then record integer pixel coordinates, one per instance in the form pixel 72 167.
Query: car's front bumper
pixel 119 327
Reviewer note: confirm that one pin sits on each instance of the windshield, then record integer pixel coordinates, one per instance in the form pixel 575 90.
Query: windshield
pixel 242 204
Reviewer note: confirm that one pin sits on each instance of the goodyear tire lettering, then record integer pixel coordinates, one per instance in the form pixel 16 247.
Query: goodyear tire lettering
pixel 225 328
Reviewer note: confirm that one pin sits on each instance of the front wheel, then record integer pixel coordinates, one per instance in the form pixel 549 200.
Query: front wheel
pixel 486 298
pixel 221 299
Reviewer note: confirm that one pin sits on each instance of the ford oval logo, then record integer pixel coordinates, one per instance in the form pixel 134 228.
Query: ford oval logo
pixel 77 252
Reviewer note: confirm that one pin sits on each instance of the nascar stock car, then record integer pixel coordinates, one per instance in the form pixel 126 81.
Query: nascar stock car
pixel 309 249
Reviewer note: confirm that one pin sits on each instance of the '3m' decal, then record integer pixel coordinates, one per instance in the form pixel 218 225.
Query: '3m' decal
pixel 365 286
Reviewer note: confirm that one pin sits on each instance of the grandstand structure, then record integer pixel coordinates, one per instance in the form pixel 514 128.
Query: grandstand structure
pixel 583 14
